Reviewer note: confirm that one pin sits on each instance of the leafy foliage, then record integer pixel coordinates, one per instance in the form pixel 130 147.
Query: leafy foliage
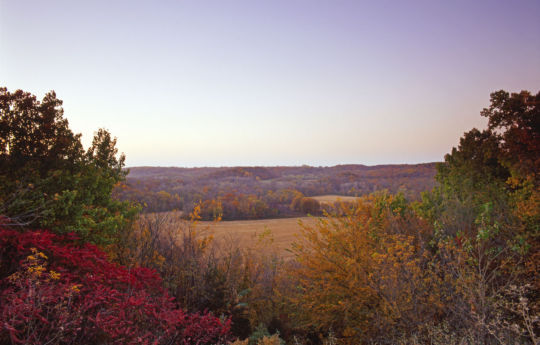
pixel 460 267
pixel 488 213
pixel 364 273
pixel 47 179
pixel 54 291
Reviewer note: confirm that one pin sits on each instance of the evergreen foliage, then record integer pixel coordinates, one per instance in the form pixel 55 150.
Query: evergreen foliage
pixel 47 180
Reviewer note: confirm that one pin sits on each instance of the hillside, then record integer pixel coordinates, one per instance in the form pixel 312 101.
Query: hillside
pixel 265 192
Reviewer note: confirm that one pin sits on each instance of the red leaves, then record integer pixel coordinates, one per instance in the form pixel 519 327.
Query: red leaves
pixel 91 301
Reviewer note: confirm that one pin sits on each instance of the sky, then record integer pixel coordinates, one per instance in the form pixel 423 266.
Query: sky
pixel 275 82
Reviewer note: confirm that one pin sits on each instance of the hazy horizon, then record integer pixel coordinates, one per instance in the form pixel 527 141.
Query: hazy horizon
pixel 274 166
pixel 281 83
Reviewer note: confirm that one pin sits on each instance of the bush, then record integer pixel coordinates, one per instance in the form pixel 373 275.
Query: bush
pixel 57 292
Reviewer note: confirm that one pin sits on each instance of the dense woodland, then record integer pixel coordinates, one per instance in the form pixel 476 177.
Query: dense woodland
pixel 459 265
pixel 265 192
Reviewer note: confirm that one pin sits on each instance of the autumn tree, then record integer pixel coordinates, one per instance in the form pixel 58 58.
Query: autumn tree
pixel 514 120
pixel 306 205
pixel 364 274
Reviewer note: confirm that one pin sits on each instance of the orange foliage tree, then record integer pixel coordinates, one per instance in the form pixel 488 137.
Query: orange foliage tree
pixel 365 274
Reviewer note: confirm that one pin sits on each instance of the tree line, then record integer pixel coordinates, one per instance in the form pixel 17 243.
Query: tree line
pixel 265 192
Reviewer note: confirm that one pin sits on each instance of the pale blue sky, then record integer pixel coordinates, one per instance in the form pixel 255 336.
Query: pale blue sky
pixel 212 83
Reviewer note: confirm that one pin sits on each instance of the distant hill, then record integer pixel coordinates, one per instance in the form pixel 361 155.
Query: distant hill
pixel 259 192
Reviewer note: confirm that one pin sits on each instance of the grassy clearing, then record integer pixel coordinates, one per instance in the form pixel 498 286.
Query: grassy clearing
pixel 246 233
pixel 331 199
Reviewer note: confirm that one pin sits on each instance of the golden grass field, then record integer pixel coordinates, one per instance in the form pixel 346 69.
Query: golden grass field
pixel 246 233
pixel 279 233
pixel 331 199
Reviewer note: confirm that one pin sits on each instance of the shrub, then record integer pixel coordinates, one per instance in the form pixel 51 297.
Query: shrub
pixel 54 291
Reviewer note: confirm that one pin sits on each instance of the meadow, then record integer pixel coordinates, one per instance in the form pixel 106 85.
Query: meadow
pixel 277 233
pixel 332 199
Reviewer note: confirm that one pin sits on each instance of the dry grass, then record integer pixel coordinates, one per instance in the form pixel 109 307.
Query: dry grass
pixel 331 199
pixel 246 233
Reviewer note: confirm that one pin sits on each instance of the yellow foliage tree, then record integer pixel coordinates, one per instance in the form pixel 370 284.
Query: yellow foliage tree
pixel 364 274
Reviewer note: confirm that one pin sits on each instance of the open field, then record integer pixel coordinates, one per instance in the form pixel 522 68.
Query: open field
pixel 247 232
pixel 331 199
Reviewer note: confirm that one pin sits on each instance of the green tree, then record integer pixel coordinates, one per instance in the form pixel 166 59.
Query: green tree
pixel 48 180
pixel 498 165
pixel 486 212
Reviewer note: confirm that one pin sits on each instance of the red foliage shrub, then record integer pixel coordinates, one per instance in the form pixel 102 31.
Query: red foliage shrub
pixel 57 292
